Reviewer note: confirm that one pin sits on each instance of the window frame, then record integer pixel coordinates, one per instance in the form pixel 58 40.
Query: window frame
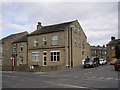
pixel 22 48
pixel 36 41
pixel 36 57
pixel 14 49
pixel 44 40
pixel 44 56
pixel 55 40
pixel 55 56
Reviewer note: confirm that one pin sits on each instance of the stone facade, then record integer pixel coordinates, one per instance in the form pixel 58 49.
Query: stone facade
pixel 7 50
pixel 20 52
pixel 111 48
pixel 0 54
pixel 88 50
pixel 62 45
pixel 99 51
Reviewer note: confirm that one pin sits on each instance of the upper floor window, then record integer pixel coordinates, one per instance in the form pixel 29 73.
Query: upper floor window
pixel 79 42
pixel 35 41
pixel 44 40
pixel 54 40
pixel 79 31
pixel 21 48
pixel 83 43
pixel 14 49
pixel 83 53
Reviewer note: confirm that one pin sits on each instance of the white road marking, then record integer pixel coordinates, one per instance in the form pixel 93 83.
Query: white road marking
pixel 109 78
pixel 65 85
pixel 10 76
pixel 73 86
pixel 88 73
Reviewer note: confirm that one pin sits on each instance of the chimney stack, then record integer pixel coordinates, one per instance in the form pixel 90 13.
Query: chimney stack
pixel 112 38
pixel 39 26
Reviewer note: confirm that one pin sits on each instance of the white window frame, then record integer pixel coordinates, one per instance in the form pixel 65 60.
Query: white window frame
pixel 14 48
pixel 44 59
pixel 20 48
pixel 36 41
pixel 54 39
pixel 35 56
pixel 21 60
pixel 44 40
pixel 55 57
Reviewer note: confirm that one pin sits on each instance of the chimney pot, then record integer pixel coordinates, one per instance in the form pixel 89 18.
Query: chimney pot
pixel 112 38
pixel 39 26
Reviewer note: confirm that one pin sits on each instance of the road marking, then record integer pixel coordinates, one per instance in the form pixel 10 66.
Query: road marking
pixel 88 73
pixel 109 78
pixel 66 85
pixel 74 86
pixel 10 76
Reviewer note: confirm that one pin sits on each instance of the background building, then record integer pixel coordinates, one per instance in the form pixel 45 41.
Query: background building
pixel 99 51
pixel 111 49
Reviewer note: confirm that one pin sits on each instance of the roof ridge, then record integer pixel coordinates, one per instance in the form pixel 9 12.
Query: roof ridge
pixel 60 23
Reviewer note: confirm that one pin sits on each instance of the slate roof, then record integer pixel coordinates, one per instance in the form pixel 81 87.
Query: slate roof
pixel 96 47
pixel 114 42
pixel 14 37
pixel 52 28
pixel 21 39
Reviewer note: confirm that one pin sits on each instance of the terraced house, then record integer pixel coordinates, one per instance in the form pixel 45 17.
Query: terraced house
pixel 58 45
pixel 20 52
pixel 9 50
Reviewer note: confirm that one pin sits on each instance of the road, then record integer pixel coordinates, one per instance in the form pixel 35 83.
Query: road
pixel 100 77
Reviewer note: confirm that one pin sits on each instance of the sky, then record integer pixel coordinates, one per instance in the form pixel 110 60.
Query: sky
pixel 99 20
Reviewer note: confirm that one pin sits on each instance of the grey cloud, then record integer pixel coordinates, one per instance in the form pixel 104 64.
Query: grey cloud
pixel 96 18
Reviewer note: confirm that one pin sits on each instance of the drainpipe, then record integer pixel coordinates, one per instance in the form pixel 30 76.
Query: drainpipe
pixel 68 49
pixel 71 48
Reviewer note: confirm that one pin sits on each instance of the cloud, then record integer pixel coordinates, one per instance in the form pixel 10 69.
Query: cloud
pixel 98 20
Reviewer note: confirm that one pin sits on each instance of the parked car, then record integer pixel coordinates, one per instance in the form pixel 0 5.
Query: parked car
pixel 91 62
pixel 102 61
pixel 105 61
pixel 117 65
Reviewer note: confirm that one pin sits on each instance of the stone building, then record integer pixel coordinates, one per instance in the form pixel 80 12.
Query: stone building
pixel 20 51
pixel 58 45
pixel 111 49
pixel 0 54
pixel 7 50
pixel 88 50
pixel 99 51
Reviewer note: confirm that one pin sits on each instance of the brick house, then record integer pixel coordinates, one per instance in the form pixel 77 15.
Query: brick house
pixel 7 50
pixel 58 45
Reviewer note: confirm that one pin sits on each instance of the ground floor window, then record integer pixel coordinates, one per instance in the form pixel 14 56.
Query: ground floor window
pixel 21 60
pixel 35 56
pixel 55 55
